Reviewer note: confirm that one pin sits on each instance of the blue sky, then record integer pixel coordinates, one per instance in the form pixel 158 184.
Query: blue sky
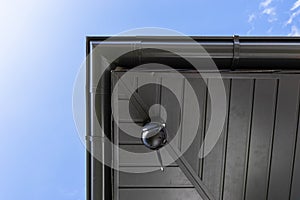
pixel 42 47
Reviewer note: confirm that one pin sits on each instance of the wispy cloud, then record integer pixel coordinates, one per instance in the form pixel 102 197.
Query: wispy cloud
pixel 271 12
pixel 265 8
pixel 265 3
pixel 295 31
pixel 251 18
pixel 269 31
pixel 268 10
pixel 296 5
pixel 250 30
pixel 292 17
pixel 294 12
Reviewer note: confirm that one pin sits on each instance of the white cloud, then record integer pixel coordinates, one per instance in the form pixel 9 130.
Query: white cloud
pixel 265 3
pixel 295 31
pixel 269 11
pixel 272 19
pixel 269 31
pixel 250 30
pixel 296 5
pixel 292 17
pixel 251 17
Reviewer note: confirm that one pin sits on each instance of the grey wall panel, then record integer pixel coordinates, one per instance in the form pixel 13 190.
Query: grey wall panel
pixel 238 135
pixel 261 138
pixel 159 194
pixel 134 110
pixel 284 139
pixel 151 95
pixel 125 161
pixel 193 149
pixel 176 86
pixel 125 86
pixel 295 192
pixel 115 129
pixel 255 156
pixel 135 148
pixel 171 176
pixel 213 163
pixel 135 134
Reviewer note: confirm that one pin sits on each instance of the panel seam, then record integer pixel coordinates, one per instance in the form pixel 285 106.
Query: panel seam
pixel 249 141
pixel 272 139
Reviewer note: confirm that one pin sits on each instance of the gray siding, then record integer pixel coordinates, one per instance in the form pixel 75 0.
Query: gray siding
pixel 257 156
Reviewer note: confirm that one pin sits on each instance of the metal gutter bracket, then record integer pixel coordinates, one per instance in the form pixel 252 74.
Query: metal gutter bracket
pixel 236 52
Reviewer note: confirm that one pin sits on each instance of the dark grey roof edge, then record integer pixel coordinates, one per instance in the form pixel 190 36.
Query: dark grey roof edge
pixel 235 52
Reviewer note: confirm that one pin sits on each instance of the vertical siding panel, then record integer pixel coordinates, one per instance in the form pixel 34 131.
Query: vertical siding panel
pixel 207 115
pixel 261 136
pixel 159 194
pixel 175 85
pixel 284 139
pixel 238 130
pixel 200 88
pixel 265 163
pixel 123 93
pixel 150 95
pixel 213 162
pixel 115 109
pixel 225 141
pixel 126 85
pixel 204 121
pixel 295 191
pixel 170 177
